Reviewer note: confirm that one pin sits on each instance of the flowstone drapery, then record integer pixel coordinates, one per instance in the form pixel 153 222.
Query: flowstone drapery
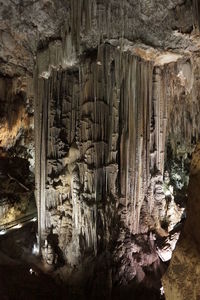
pixel 102 127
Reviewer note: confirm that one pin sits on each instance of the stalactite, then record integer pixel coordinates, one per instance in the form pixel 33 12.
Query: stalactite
pixel 107 127
pixel 40 153
pixel 98 126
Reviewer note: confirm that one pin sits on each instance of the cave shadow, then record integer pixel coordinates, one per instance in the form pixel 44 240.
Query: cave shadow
pixel 136 292
pixel 53 240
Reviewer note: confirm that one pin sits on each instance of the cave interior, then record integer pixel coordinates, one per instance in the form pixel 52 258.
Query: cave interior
pixel 99 149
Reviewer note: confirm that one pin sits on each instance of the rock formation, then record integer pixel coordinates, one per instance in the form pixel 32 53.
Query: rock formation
pixel 103 120
pixel 185 259
pixel 116 118
pixel 16 149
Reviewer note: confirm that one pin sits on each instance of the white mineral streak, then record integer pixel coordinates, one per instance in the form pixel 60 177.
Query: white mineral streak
pixel 40 153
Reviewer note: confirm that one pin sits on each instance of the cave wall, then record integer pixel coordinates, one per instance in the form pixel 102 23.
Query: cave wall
pixel 181 280
pixel 16 148
pixel 13 112
pixel 115 84
pixel 26 26
pixel 196 10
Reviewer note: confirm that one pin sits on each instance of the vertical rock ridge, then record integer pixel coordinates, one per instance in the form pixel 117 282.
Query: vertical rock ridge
pixel 107 126
pixel 196 13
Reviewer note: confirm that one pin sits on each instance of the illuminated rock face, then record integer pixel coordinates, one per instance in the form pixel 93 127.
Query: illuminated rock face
pixel 16 149
pixel 13 115
pixel 102 129
pixel 112 118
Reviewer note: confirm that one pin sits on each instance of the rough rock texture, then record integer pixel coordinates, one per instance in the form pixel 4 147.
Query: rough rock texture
pixel 196 11
pixel 101 133
pixel 116 88
pixel 22 25
pixel 27 25
pixel 185 259
pixel 16 149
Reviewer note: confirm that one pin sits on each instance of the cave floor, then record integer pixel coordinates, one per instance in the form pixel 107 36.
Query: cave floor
pixel 24 277
pixel 16 265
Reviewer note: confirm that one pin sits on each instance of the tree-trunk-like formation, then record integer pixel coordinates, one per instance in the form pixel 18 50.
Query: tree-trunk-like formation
pixel 102 130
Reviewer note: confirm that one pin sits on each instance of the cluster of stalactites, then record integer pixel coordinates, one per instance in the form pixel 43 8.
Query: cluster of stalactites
pixel 183 106
pixel 101 134
pixel 108 117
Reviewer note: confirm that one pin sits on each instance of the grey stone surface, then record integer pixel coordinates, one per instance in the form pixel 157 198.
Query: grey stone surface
pixel 115 83
pixel 27 25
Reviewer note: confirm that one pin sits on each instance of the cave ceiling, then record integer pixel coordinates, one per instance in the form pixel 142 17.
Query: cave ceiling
pixel 26 26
